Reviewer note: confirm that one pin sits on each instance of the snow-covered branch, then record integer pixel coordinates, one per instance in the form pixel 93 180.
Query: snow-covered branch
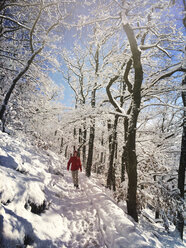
pixel 15 21
pixel 33 28
pixel 118 114
pixel 162 104
pixel 156 45
pixel 167 73
pixel 111 99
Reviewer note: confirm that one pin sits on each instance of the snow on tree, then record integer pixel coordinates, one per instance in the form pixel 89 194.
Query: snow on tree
pixel 124 71
pixel 151 51
pixel 27 29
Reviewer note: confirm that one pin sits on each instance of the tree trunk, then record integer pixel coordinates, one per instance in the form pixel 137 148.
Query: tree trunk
pixel 90 149
pixel 132 176
pixel 80 142
pixel 102 142
pixel 157 213
pixel 116 151
pixel 61 146
pixel 180 224
pixel 111 171
pixel 66 151
pixel 132 122
pixel 109 125
pixel 75 133
pixel 84 146
pixel 80 136
pixel 181 170
pixel 114 177
pixel 124 154
pixel 91 138
pixel 123 159
pixel 92 128
pixel 101 158
pixel 182 165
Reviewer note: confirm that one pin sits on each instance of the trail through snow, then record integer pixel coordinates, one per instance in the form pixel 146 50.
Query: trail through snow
pixel 74 218
pixel 78 215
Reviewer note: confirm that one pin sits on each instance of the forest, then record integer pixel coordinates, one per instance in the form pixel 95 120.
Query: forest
pixel 105 78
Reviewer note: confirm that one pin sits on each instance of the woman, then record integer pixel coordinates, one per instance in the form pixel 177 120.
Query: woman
pixel 75 163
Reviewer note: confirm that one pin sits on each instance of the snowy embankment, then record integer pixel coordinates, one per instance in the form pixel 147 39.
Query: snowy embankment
pixel 39 206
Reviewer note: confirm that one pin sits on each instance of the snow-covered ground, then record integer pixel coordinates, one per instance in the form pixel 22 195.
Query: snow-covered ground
pixel 39 207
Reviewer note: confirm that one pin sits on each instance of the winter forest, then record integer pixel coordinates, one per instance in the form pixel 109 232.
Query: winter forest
pixel 105 78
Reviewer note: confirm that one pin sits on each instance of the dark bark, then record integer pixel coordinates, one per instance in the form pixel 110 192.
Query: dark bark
pixel 102 140
pixel 2 4
pixel 157 210
pixel 82 143
pixel 182 165
pixel 109 125
pixel 114 177
pixel 80 136
pixel 101 158
pixel 91 138
pixel 131 137
pixel 132 176
pixel 61 146
pixel 90 149
pixel 116 151
pixel 92 128
pixel 123 167
pixel 74 132
pixel 135 91
pixel 84 146
pixel 66 151
pixel 181 172
pixel 102 143
pixel 111 171
pixel 124 160
pixel 157 214
pixel 180 224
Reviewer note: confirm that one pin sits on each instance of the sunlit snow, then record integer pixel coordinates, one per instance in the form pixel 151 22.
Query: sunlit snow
pixel 73 218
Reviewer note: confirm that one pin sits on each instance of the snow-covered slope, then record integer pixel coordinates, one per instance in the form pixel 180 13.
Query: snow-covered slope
pixel 39 206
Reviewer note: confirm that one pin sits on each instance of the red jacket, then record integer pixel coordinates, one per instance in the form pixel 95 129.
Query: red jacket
pixel 75 164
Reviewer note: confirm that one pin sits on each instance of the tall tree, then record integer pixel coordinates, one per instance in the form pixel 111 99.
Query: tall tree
pixel 182 165
pixel 141 39
pixel 181 172
pixel 112 152
pixel 93 104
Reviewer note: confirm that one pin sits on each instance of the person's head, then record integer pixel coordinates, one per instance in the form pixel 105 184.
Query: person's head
pixel 75 153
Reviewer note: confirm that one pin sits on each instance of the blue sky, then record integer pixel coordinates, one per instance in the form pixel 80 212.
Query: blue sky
pixel 68 99
pixel 67 42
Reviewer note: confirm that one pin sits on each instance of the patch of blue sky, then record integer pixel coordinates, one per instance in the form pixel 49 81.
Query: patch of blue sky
pixel 68 38
pixel 68 95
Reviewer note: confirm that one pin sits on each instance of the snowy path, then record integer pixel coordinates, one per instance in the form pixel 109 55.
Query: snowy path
pixel 78 215
pixel 75 218
pixel 91 218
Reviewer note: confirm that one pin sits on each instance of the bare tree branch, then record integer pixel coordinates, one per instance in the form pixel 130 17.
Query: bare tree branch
pixel 12 20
